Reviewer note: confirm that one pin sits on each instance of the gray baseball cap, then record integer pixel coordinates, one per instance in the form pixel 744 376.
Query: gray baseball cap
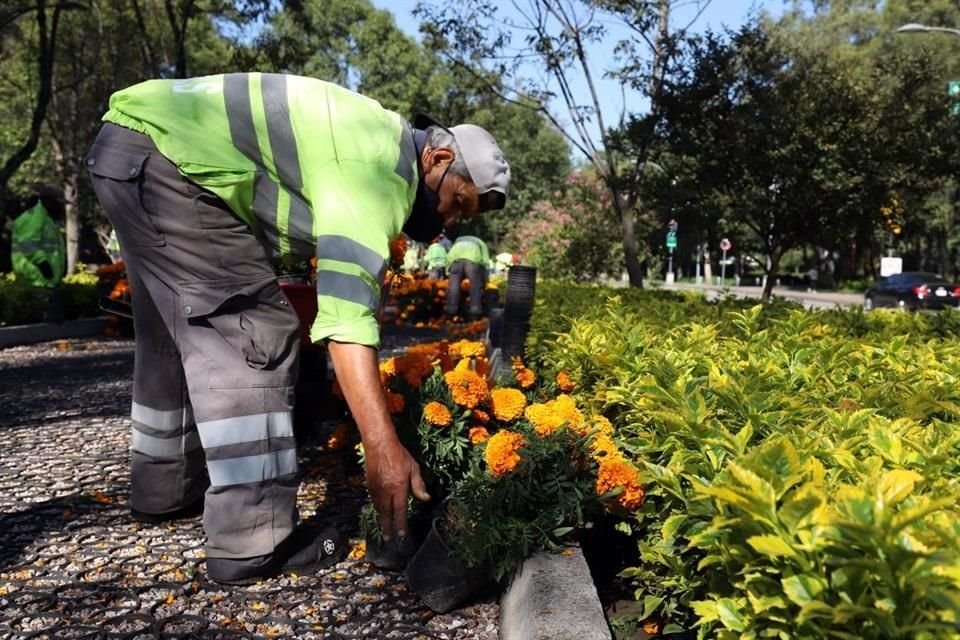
pixel 484 159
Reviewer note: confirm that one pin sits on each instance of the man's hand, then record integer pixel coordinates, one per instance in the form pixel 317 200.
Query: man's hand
pixel 392 473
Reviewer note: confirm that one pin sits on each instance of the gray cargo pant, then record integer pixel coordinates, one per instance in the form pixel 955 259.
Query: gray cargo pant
pixel 477 274
pixel 216 352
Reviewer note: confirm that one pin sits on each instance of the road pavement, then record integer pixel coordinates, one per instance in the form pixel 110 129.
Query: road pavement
pixel 809 299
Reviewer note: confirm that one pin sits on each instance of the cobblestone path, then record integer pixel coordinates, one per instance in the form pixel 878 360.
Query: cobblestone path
pixel 74 565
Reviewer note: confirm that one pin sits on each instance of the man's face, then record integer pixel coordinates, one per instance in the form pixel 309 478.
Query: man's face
pixel 458 198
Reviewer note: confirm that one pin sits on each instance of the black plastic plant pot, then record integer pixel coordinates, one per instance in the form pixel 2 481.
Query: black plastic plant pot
pixel 441 581
pixel 392 554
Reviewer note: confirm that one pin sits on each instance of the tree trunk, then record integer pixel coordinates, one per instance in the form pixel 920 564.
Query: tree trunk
pixel 631 254
pixel 776 253
pixel 69 172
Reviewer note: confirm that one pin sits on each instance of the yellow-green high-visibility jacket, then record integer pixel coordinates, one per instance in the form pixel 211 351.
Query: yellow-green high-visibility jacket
pixel 469 248
pixel 436 256
pixel 35 241
pixel 313 168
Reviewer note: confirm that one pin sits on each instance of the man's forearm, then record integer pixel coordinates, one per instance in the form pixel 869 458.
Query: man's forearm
pixel 358 375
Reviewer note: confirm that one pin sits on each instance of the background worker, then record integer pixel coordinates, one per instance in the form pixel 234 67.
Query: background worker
pixel 468 258
pixel 436 260
pixel 37 248
pixel 207 182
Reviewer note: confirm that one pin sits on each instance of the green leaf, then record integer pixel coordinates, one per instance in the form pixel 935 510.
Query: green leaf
pixel 729 615
pixel 803 589
pixel 897 484
pixel 707 610
pixel 771 545
pixel 559 532
pixel 650 604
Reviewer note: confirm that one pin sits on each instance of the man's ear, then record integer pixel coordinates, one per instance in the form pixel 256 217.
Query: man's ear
pixel 434 156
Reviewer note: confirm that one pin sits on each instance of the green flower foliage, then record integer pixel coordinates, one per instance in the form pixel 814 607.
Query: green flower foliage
pixel 802 468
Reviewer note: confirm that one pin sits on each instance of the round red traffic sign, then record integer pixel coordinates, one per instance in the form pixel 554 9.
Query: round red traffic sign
pixel 725 245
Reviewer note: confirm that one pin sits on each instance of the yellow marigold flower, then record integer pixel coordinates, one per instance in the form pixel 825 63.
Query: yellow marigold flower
pixel 415 367
pixel 507 404
pixel 603 445
pixel 502 452
pixel 395 402
pixel 564 383
pixel 566 408
pixel 359 551
pixel 478 435
pixel 388 369
pixel 468 349
pixel 480 416
pixel 616 473
pixel 340 438
pixel 516 363
pixel 467 388
pixel 602 426
pixel 525 377
pixel 437 414
pixel 543 418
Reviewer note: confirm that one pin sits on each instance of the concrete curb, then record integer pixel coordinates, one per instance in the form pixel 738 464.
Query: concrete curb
pixel 46 331
pixel 552 597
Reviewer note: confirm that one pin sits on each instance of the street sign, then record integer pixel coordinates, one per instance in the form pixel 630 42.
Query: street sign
pixel 890 266
pixel 725 245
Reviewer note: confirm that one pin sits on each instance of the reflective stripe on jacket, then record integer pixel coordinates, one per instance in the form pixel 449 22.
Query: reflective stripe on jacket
pixel 469 248
pixel 36 240
pixel 313 168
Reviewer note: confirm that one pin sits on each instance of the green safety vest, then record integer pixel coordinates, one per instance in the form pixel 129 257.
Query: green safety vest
pixel 313 168
pixel 35 240
pixel 469 248
pixel 436 256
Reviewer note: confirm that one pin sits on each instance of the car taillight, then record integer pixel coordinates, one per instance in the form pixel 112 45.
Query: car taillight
pixel 956 291
pixel 921 290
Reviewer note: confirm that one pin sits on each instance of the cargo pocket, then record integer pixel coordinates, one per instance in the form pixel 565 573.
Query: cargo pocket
pixel 117 174
pixel 253 318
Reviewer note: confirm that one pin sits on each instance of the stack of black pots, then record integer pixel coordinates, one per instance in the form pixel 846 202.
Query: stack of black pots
pixel 518 307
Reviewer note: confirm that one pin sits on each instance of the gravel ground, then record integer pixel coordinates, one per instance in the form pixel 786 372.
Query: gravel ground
pixel 74 565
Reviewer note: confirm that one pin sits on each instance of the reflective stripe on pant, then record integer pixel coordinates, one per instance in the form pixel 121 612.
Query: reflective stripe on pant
pixel 202 275
pixel 477 274
pixel 166 461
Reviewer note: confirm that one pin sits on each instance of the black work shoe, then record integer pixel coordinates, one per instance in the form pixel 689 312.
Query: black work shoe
pixel 189 511
pixel 309 551
pixel 241 571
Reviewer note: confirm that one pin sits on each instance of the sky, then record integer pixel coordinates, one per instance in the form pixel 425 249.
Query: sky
pixel 717 15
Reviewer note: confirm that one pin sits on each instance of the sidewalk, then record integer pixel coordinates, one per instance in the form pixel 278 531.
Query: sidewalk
pixel 822 299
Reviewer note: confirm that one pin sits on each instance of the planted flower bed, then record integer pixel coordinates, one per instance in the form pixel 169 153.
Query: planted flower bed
pixel 802 469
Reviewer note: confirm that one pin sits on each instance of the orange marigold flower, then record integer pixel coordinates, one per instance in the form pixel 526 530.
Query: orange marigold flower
pixel 616 473
pixel 507 404
pixel 516 363
pixel 543 418
pixel 467 388
pixel 478 435
pixel 525 377
pixel 414 368
pixel 564 383
pixel 398 248
pixel 480 416
pixel 340 438
pixel 395 402
pixel 482 367
pixel 437 414
pixel 502 452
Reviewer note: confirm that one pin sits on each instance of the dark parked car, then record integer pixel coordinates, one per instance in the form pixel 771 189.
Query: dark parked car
pixel 912 290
